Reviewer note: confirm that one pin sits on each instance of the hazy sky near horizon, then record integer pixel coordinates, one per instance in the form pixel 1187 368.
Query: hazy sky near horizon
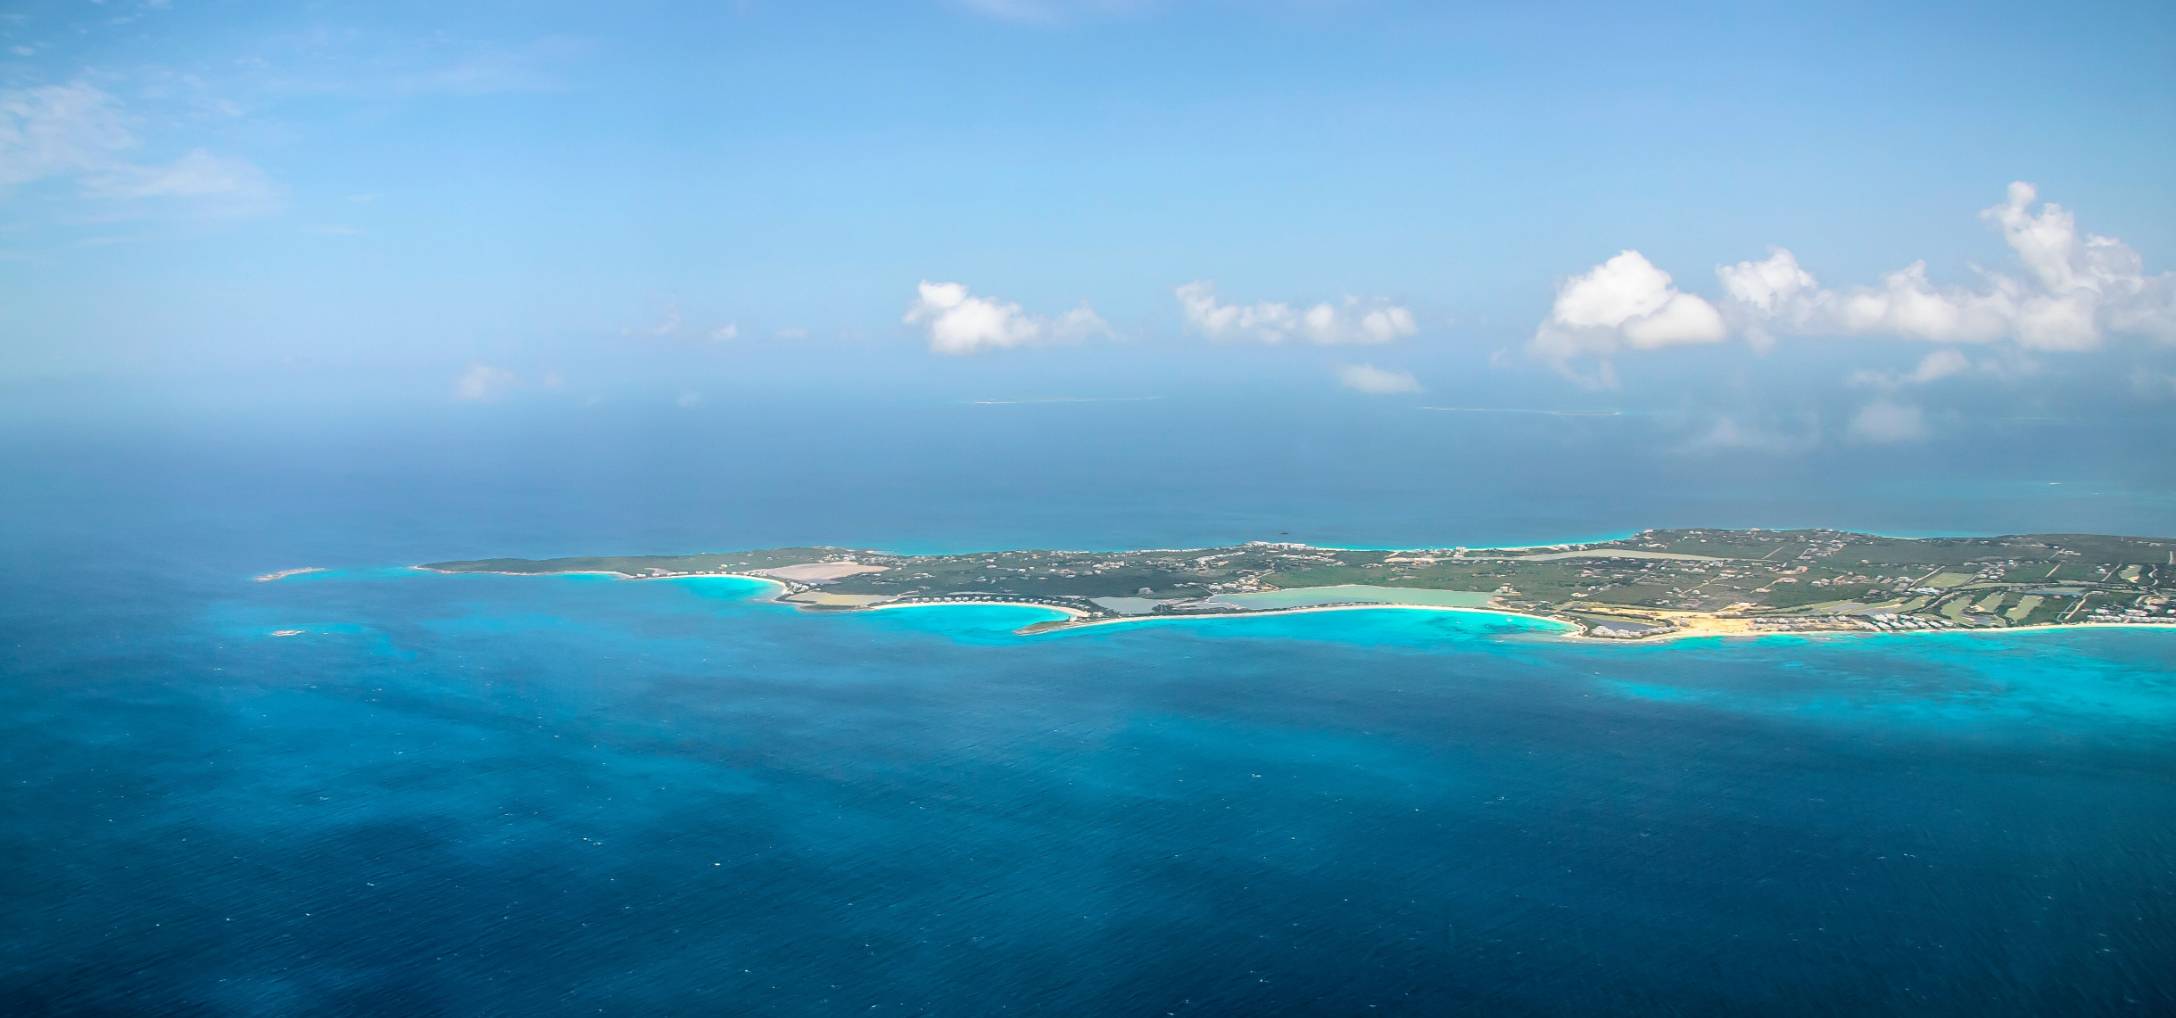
pixel 1796 225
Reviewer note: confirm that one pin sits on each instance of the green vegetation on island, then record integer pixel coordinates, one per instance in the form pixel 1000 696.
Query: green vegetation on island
pixel 1654 584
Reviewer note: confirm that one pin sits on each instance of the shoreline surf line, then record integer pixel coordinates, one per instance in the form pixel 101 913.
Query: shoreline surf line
pixel 1076 619
pixel 1068 611
pixel 1090 623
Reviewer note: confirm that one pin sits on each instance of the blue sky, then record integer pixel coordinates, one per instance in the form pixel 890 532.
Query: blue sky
pixel 397 205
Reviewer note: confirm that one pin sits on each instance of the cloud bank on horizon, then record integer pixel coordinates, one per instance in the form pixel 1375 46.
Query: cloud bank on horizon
pixel 2076 290
pixel 1354 320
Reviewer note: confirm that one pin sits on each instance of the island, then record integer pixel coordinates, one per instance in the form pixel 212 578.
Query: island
pixel 1656 584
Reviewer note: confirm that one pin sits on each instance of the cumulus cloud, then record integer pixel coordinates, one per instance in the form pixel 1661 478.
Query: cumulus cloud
pixel 1766 286
pixel 483 382
pixel 959 322
pixel 1907 305
pixel 2075 290
pixel 1759 292
pixel 1354 320
pixel 1886 421
pixel 1623 303
pixel 1376 381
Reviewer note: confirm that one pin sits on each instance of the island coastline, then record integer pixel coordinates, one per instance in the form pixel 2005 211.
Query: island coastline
pixel 1650 587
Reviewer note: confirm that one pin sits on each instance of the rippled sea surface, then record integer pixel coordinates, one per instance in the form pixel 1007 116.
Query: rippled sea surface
pixel 503 795
pixel 535 795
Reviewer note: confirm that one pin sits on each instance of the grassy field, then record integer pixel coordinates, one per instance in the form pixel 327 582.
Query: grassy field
pixel 2024 608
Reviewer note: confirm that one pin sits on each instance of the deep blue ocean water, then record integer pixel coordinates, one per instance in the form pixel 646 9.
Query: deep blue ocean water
pixel 509 795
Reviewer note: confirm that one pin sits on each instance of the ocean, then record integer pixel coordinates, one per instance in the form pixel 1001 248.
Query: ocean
pixel 508 795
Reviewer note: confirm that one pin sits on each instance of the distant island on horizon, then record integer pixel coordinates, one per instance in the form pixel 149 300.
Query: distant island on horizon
pixel 1654 585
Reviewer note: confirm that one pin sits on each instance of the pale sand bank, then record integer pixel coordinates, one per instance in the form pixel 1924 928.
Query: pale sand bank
pixel 1350 593
pixel 1065 610
pixel 819 572
pixel 282 574
pixel 825 599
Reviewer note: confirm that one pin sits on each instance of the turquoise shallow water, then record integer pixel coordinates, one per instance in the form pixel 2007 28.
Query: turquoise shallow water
pixel 497 795
pixel 516 795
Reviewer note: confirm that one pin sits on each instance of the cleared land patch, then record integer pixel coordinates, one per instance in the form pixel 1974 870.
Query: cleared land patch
pixel 1351 593
pixel 2024 607
pixel 819 572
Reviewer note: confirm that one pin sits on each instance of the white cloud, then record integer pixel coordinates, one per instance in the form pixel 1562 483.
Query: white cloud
pixel 958 322
pixel 1906 305
pixel 2076 289
pixel 1080 323
pixel 1886 421
pixel 1760 291
pixel 483 382
pixel 1768 285
pixel 198 175
pixel 1625 302
pixel 59 130
pixel 79 131
pixel 673 327
pixel 1935 366
pixel 1355 320
pixel 1938 365
pixel 1376 381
